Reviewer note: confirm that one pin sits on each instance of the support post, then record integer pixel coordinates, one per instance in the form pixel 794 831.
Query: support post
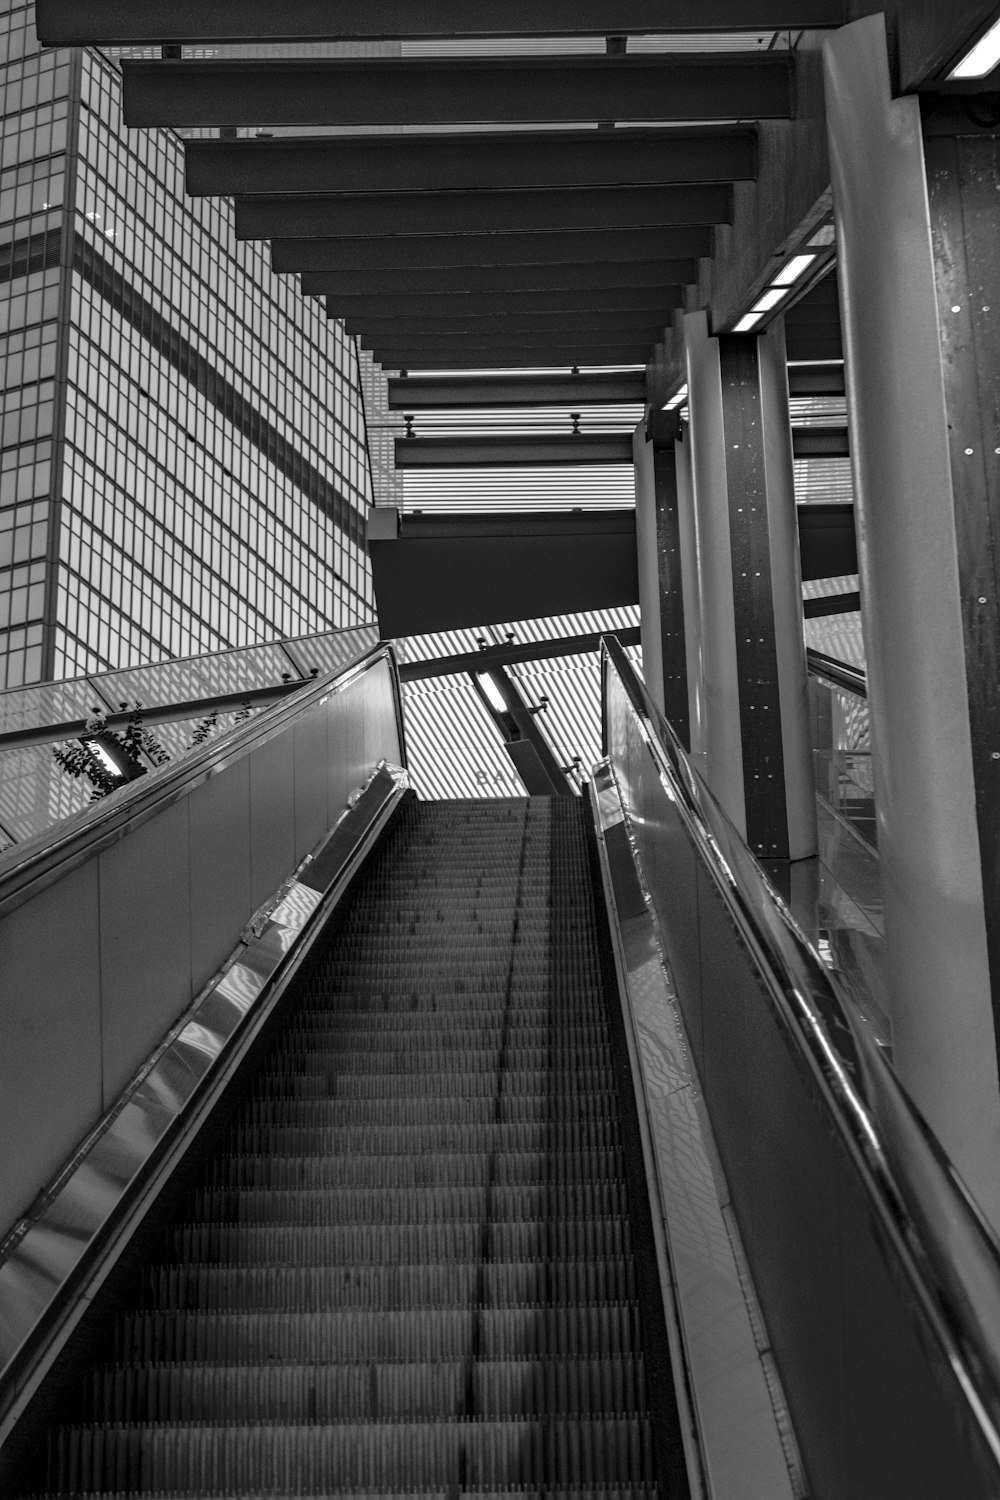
pixel 661 591
pixel 925 509
pixel 755 721
pixel 687 544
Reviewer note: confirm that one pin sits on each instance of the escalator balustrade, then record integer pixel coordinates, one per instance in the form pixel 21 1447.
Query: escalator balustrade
pixel 408 1267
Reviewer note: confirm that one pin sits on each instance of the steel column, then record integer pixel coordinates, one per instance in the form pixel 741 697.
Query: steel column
pixel 690 595
pixel 923 751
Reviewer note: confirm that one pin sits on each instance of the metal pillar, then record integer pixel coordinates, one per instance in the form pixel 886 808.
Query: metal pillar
pixel 649 573
pixel 661 590
pixel 687 547
pixel 907 479
pixel 754 717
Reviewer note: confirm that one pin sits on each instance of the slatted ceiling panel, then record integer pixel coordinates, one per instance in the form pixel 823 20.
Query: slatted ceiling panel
pixel 819 480
pixel 818 411
pixel 823 588
pixel 526 422
pixel 610 487
pixel 572 721
pixel 552 628
pixel 839 636
pixel 453 746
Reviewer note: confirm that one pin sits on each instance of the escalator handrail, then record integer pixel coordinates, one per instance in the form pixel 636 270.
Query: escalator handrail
pixel 841 673
pixel 945 1249
pixel 28 868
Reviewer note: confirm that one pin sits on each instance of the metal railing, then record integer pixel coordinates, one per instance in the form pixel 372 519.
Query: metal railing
pixel 878 1277
pixel 840 727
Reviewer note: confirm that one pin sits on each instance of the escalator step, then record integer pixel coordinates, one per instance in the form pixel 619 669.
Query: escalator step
pixel 350 1456
pixel 408 1334
pixel 226 1393
pixel 408 1206
pixel 398 1244
pixel 313 1289
pixel 428 1169
pixel 385 1140
pixel 407 1270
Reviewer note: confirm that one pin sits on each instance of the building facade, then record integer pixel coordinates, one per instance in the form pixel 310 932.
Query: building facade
pixel 184 462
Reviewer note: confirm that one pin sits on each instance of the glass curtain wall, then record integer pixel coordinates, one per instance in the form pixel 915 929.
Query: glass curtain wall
pixel 183 452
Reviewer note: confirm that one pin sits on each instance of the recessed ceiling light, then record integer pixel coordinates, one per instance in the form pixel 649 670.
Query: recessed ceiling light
pixel 770 299
pixel 748 321
pixel 796 267
pixel 825 235
pixel 676 399
pixel 982 58
pixel 492 692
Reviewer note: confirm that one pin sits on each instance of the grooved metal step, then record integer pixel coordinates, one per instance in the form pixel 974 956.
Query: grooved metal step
pixel 407 1268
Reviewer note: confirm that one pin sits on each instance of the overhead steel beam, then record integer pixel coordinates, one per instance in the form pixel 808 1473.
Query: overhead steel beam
pixel 77 23
pixel 434 281
pixel 820 442
pixel 444 393
pixel 540 329
pixel 471 345
pixel 470 163
pixel 443 306
pixel 508 655
pixel 816 380
pixel 554 210
pixel 483 453
pixel 459 91
pixel 484 358
pixel 439 251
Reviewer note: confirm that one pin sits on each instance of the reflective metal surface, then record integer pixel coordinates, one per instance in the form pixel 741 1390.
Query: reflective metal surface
pixel 878 1277
pixel 45 1261
pixel 740 1445
pixel 28 867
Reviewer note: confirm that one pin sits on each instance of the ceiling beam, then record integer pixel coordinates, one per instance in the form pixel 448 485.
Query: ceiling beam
pixel 437 393
pixel 555 210
pixel 820 442
pixel 454 91
pixel 470 163
pixel 448 307
pixel 402 252
pixel 508 654
pixel 816 380
pixel 433 281
pixel 75 23
pixel 490 452
pixel 535 332
pixel 527 338
pixel 555 357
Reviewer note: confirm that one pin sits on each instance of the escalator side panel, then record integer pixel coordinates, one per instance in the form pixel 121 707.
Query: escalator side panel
pixel 101 954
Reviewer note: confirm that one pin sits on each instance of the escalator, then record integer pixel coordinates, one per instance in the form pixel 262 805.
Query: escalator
pixel 409 1265
pixel 357 1145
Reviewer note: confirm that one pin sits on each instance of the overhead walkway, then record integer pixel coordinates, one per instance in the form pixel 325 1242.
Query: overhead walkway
pixel 420 1171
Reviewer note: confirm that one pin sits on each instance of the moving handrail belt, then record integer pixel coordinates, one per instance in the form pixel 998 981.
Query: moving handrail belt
pixel 946 1253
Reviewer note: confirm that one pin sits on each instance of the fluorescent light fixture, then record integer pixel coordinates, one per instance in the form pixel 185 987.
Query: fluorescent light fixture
pixel 106 760
pixel 770 299
pixel 982 58
pixel 796 267
pixel 748 321
pixel 677 399
pixel 492 692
